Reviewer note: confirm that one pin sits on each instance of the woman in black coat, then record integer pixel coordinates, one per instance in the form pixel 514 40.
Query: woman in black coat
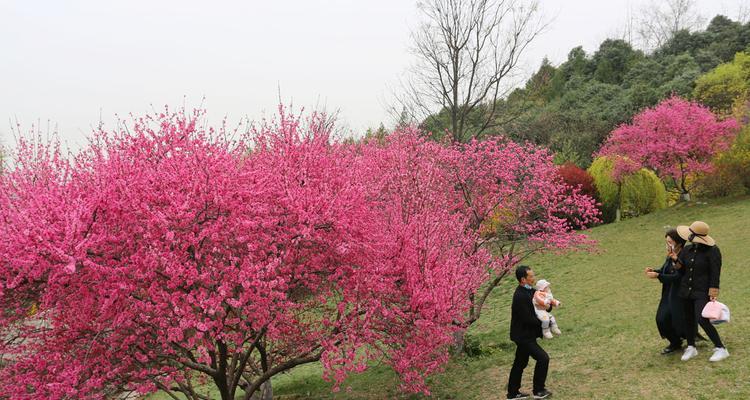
pixel 669 315
pixel 700 267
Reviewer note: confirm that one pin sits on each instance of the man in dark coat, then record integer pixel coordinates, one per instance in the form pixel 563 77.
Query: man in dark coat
pixel 525 328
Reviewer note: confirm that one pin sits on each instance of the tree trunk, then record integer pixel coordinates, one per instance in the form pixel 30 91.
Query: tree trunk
pixel 685 195
pixel 618 212
pixel 458 342
pixel 265 392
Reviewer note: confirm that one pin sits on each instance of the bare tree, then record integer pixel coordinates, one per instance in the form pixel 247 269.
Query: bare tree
pixel 660 20
pixel 627 30
pixel 743 12
pixel 466 52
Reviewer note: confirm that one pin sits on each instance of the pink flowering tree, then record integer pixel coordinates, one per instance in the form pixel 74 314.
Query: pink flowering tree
pixel 415 184
pixel 510 197
pixel 677 139
pixel 513 195
pixel 165 256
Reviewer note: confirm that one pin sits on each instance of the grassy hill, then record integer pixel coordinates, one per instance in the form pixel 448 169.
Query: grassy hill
pixel 609 348
pixel 610 345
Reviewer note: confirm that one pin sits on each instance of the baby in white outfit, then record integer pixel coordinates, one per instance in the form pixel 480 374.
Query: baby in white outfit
pixel 543 299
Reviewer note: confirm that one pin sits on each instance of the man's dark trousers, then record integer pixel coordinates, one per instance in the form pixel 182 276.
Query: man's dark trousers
pixel 523 351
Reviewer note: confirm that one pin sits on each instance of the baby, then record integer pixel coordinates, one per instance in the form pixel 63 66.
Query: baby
pixel 543 299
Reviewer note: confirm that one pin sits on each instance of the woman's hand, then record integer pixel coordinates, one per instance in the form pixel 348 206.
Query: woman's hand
pixel 652 274
pixel 649 270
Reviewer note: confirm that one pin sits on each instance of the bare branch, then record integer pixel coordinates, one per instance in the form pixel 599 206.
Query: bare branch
pixel 466 51
pixel 660 20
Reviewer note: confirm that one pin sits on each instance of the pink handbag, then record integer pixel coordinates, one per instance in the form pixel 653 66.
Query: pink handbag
pixel 713 310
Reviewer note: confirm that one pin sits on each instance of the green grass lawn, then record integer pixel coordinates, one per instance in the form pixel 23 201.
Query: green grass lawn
pixel 610 345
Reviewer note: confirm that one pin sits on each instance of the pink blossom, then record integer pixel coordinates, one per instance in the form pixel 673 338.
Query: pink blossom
pixel 677 139
pixel 70 267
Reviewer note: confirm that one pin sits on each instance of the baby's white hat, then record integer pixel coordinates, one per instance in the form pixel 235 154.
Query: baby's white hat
pixel 541 284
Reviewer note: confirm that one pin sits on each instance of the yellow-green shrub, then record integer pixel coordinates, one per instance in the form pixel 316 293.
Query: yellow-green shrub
pixel 731 175
pixel 725 85
pixel 642 192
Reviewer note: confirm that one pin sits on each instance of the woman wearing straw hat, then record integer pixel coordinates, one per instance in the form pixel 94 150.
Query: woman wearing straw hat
pixel 700 264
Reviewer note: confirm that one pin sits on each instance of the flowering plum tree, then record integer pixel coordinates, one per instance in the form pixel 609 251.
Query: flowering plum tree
pixel 677 139
pixel 164 256
pixel 512 200
pixel 515 197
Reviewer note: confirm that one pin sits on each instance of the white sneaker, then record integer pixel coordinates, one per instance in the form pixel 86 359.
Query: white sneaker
pixel 547 334
pixel 720 353
pixel 556 330
pixel 689 353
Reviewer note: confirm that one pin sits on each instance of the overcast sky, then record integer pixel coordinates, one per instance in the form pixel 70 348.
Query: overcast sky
pixel 68 62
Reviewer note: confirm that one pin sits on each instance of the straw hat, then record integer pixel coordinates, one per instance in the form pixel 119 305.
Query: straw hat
pixel 697 232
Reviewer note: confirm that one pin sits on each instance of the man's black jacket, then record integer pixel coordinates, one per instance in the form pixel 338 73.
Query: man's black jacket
pixel 524 325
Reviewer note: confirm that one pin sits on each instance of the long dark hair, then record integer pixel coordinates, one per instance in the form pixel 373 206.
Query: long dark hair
pixel 672 233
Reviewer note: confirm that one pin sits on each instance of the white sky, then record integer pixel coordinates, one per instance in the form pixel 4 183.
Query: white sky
pixel 65 63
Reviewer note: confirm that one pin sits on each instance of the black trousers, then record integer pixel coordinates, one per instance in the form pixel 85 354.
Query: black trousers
pixel 666 325
pixel 523 351
pixel 693 309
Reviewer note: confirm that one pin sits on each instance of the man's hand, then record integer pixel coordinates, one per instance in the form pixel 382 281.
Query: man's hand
pixel 649 270
pixel 652 274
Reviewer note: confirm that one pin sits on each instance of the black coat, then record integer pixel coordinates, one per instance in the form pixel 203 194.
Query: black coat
pixel 670 306
pixel 524 325
pixel 701 270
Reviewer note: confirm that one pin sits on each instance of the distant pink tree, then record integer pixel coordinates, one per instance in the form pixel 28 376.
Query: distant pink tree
pixel 165 256
pixel 677 139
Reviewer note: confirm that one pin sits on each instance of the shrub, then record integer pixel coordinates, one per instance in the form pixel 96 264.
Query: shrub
pixel 642 192
pixel 577 177
pixel 726 84
pixel 574 176
pixel 731 174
